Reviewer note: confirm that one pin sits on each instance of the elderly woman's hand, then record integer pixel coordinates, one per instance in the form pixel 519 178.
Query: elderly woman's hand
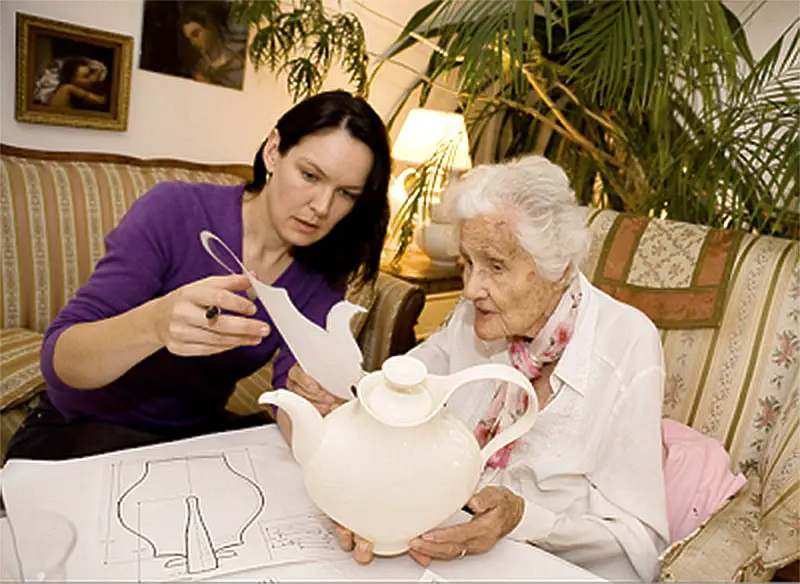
pixel 349 542
pixel 301 383
pixel 497 511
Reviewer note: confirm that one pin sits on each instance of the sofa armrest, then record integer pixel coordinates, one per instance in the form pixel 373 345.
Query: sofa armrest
pixel 723 548
pixel 20 379
pixel 389 328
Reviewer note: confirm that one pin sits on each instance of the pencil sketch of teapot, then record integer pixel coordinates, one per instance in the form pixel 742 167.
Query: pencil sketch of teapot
pixel 393 463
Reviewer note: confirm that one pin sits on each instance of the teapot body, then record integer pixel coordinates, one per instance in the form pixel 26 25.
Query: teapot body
pixel 390 484
pixel 394 463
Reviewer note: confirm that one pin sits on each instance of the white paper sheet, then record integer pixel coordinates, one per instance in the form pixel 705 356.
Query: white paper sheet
pixel 178 512
pixel 286 540
pixel 330 355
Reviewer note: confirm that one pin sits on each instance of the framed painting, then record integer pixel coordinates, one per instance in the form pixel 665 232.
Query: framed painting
pixel 71 75
pixel 194 39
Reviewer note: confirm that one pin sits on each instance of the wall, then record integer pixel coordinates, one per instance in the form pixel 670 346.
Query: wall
pixel 179 118
pixel 764 21
pixel 173 117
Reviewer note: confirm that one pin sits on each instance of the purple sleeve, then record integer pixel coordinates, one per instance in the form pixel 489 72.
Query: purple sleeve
pixel 315 309
pixel 129 274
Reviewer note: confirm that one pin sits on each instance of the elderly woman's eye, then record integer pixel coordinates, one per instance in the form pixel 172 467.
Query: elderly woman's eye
pixel 498 267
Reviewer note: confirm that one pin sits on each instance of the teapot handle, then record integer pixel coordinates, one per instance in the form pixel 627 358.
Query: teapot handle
pixel 504 373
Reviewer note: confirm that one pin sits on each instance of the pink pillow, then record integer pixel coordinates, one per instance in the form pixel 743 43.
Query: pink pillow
pixel 697 476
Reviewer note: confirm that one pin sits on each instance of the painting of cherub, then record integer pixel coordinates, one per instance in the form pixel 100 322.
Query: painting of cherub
pixel 72 75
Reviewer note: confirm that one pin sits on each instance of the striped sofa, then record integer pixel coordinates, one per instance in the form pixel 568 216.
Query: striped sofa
pixel 55 209
pixel 728 308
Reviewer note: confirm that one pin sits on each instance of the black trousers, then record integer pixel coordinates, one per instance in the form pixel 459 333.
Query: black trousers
pixel 46 435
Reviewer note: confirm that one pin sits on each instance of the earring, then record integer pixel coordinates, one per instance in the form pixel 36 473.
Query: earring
pixel 267 178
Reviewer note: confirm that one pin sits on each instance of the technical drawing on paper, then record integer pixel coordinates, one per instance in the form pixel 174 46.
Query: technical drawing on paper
pixel 205 514
pixel 294 537
pixel 180 511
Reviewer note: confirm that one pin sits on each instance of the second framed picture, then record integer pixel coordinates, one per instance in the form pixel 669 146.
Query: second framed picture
pixel 195 39
pixel 71 75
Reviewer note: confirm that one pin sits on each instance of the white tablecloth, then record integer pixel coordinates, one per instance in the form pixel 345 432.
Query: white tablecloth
pixel 85 491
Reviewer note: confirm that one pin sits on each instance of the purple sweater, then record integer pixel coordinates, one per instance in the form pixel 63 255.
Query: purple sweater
pixel 155 249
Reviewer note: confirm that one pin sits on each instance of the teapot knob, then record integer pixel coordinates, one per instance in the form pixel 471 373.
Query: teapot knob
pixel 402 372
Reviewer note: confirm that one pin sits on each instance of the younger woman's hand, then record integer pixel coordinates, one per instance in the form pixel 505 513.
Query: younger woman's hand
pixel 183 328
pixel 301 383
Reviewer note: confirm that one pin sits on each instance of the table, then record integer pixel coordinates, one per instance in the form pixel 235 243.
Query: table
pixel 442 286
pixel 84 492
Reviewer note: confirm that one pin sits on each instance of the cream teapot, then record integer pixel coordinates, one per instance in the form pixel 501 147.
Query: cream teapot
pixel 394 463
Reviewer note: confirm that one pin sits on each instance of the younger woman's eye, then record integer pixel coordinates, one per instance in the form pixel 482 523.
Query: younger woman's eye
pixel 309 176
pixel 348 195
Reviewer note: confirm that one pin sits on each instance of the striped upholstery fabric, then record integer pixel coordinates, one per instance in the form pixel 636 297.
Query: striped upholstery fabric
pixel 54 216
pixel 19 362
pixel 737 382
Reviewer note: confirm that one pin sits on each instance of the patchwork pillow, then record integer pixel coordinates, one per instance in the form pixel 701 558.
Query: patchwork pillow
pixel 676 273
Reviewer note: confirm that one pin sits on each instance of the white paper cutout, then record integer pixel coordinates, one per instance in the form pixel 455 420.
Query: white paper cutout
pixel 331 355
pixel 431 576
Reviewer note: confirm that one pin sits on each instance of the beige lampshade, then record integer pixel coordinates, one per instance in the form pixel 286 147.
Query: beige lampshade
pixel 426 130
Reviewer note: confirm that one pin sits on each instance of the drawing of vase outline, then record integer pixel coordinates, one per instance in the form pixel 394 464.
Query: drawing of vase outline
pixel 198 552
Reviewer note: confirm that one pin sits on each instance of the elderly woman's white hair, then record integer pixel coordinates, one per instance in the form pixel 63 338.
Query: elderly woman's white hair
pixel 551 225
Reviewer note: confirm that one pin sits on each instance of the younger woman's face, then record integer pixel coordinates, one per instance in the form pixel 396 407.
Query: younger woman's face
pixel 315 184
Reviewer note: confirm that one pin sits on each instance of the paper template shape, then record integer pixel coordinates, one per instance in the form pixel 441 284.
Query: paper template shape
pixel 331 355
pixel 203 515
pixel 175 516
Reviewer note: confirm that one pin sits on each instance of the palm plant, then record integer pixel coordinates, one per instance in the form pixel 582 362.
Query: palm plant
pixel 303 40
pixel 652 106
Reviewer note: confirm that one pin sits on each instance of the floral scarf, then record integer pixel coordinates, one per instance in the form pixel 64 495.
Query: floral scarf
pixel 528 356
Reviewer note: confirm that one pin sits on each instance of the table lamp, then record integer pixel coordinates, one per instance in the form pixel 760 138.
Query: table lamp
pixel 423 134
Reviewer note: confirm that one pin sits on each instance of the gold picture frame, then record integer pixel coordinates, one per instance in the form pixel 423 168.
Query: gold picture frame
pixel 71 75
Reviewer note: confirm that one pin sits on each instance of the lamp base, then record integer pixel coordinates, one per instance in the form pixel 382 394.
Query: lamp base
pixel 439 241
pixel 444 263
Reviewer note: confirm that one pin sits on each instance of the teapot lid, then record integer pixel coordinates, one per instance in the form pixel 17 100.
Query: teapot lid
pixel 403 399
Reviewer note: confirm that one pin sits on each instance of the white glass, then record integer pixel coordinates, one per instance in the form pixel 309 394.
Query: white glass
pixel 37 551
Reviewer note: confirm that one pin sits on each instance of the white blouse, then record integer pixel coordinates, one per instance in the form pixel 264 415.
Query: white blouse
pixel 590 468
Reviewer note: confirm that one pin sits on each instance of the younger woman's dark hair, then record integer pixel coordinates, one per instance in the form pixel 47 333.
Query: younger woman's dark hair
pixel 353 247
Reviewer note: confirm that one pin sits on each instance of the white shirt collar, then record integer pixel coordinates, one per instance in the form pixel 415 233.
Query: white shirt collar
pixel 573 367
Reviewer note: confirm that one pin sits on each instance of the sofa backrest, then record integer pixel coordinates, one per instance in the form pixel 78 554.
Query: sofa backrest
pixel 726 304
pixel 55 210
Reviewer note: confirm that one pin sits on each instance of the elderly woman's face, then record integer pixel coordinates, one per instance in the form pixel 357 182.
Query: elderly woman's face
pixel 501 280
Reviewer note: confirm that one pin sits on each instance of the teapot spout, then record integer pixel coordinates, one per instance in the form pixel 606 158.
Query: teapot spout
pixel 307 423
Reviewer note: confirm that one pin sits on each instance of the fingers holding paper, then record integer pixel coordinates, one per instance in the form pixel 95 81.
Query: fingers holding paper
pixel 301 383
pixel 497 511
pixel 184 326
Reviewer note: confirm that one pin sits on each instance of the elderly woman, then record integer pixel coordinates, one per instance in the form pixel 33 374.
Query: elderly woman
pixel 586 481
